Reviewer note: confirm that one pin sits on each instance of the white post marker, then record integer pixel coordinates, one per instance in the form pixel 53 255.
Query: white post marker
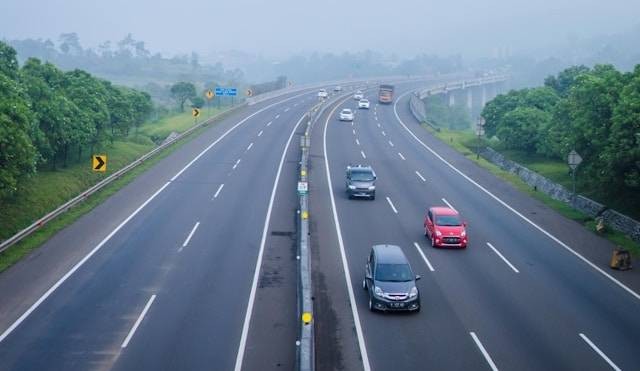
pixel 392 206
pixel 484 351
pixel 502 257
pixel 138 321
pixel 600 353
pixel 424 257
pixel 420 176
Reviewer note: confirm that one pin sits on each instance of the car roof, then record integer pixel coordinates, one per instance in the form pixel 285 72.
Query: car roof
pixel 389 254
pixel 441 210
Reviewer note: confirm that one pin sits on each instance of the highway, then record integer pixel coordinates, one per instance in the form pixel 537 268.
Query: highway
pixel 193 264
pixel 515 299
pixel 190 266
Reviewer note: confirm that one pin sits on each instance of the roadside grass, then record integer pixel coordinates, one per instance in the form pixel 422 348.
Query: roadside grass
pixel 46 190
pixel 465 142
pixel 161 128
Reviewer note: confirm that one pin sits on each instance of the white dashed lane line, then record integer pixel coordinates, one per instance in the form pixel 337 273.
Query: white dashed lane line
pixel 486 355
pixel 193 230
pixel 424 257
pixel 249 146
pixel 392 206
pixel 260 133
pixel 391 143
pixel 357 141
pixel 600 353
pixel 236 164
pixel 138 321
pixel 502 257
pixel 363 155
pixel 384 134
pixel 218 191
pixel 401 156
pixel 448 204
pixel 420 176
pixel 354 131
pixel 277 116
pixel 286 109
pixel 269 123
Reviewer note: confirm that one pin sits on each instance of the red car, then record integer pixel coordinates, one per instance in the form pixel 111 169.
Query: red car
pixel 444 227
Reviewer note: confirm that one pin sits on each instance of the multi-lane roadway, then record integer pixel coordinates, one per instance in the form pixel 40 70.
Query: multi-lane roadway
pixel 193 264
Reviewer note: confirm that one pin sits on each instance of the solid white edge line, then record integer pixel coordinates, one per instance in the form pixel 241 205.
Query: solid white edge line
pixel 363 155
pixel 55 286
pixel 424 257
pixel 249 146
pixel 138 321
pixel 193 230
pixel 420 176
pixel 256 273
pixel 401 156
pixel 218 191
pixel 343 256
pixel 391 204
pixel 508 207
pixel 486 355
pixel 600 353
pixel 502 257
pixel 448 204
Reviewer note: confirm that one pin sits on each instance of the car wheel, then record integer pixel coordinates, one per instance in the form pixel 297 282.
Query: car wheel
pixel 364 284
pixel 371 307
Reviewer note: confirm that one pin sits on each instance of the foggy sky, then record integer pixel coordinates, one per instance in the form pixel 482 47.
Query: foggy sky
pixel 284 27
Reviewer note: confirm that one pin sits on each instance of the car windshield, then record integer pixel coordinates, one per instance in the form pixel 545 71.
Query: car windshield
pixel 393 273
pixel 364 101
pixel 346 111
pixel 448 220
pixel 361 176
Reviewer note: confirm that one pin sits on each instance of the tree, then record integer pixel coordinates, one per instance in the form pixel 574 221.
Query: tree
pixel 8 61
pixel 18 156
pixel 565 79
pixel 181 91
pixel 519 128
pixel 197 102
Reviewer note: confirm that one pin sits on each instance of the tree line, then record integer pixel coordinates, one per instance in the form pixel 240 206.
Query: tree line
pixel 48 116
pixel 595 111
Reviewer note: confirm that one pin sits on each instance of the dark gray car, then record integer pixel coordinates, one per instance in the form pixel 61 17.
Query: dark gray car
pixel 390 281
pixel 361 182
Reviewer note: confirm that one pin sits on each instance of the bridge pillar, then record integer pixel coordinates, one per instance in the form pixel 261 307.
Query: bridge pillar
pixel 452 99
pixel 469 99
pixel 483 102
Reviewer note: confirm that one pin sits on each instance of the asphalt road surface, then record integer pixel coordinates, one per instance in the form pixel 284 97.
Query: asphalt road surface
pixel 524 295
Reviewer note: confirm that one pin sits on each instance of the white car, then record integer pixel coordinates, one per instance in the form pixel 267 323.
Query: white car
pixel 322 93
pixel 337 88
pixel 358 95
pixel 363 103
pixel 346 115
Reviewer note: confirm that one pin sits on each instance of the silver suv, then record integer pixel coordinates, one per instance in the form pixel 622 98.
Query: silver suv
pixel 361 181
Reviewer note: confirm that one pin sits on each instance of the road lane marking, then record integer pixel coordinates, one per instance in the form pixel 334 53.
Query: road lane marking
pixel 352 123
pixel 448 204
pixel 249 146
pixel 401 156
pixel 193 230
pixel 508 207
pixel 256 273
pixel 502 257
pixel 343 256
pixel 484 351
pixel 424 257
pixel 269 123
pixel 384 134
pixel 286 109
pixel 363 156
pixel 392 206
pixel 260 133
pixel 277 116
pixel 391 143
pixel 236 164
pixel 376 118
pixel 420 176
pixel 357 141
pixel 379 125
pixel 600 353
pixel 218 191
pixel 354 131
pixel 138 321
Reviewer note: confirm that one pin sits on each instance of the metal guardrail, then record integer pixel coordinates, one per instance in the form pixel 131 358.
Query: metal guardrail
pixel 461 84
pixel 106 181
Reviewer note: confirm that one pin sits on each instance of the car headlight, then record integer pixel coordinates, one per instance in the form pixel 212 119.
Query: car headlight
pixel 438 233
pixel 414 292
pixel 463 234
pixel 377 291
pixel 352 187
pixel 371 188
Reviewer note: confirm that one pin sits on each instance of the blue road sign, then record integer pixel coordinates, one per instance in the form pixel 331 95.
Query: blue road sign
pixel 230 92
